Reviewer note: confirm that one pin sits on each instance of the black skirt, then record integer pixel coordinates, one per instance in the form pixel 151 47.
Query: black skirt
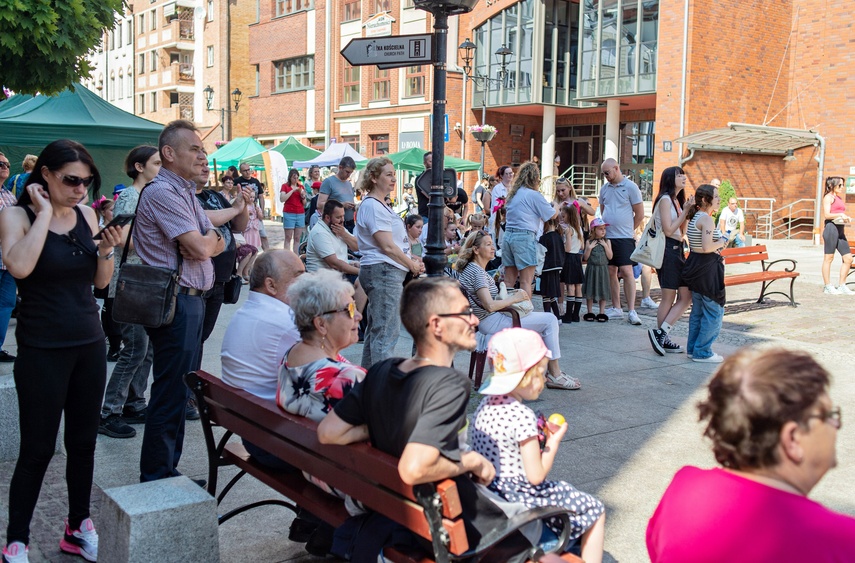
pixel 572 272
pixel 550 284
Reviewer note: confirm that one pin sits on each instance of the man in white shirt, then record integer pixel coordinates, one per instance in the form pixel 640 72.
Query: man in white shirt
pixel 327 248
pixel 732 222
pixel 263 329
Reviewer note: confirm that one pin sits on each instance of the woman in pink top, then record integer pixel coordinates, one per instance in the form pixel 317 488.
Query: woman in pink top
pixel 773 429
pixel 834 235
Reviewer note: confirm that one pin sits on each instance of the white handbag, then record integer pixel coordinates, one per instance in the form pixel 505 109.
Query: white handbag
pixel 650 249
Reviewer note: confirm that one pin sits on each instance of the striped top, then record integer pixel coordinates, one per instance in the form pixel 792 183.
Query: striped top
pixel 696 242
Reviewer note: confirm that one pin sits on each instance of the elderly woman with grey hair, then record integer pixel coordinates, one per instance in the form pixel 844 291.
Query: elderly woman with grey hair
pixel 314 376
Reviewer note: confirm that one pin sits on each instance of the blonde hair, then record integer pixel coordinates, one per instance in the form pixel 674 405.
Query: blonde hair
pixel 530 374
pixel 29 162
pixel 467 250
pixel 479 217
pixel 372 171
pixel 527 177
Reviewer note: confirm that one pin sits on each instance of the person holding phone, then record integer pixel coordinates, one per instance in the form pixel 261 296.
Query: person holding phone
pixel 61 368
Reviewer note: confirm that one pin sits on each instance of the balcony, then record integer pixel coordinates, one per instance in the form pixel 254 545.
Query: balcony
pixel 178 33
pixel 179 73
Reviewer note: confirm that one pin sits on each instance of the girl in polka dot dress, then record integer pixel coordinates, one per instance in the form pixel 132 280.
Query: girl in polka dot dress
pixel 505 432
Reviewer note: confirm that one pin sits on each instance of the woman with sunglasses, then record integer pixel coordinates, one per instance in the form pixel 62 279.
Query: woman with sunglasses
pixel 773 429
pixel 48 246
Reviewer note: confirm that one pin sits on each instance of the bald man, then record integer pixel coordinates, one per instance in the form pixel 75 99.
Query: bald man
pixel 623 212
pixel 263 329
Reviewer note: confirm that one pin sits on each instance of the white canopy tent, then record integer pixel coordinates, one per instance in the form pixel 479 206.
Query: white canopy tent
pixel 331 157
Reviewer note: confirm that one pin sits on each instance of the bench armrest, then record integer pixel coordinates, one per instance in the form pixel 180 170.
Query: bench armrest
pixel 515 523
pixel 767 265
pixel 515 316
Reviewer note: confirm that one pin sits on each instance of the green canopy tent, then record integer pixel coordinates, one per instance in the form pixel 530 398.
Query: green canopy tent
pixel 234 152
pixel 291 149
pixel 412 160
pixel 29 123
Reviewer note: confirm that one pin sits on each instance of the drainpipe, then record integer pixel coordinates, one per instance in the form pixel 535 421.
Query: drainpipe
pixel 817 211
pixel 683 76
pixel 327 70
pixel 684 160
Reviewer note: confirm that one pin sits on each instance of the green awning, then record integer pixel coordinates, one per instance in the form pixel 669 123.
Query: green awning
pixel 235 152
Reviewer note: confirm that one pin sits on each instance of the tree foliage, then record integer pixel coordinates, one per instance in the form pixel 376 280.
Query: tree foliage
pixel 725 192
pixel 44 43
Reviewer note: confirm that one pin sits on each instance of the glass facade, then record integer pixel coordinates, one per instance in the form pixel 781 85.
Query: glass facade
pixel 618 43
pixel 513 28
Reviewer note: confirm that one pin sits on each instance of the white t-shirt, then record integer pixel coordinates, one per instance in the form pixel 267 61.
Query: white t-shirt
pixel 665 204
pixel 372 217
pixel 528 210
pixel 499 190
pixel 322 243
pixel 731 220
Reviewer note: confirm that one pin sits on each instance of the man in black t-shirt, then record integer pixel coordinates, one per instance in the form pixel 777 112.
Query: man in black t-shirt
pixel 415 408
pixel 246 180
pixel 422 197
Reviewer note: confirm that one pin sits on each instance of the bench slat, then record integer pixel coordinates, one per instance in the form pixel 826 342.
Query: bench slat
pixel 746 258
pixel 744 250
pixel 374 495
pixel 754 277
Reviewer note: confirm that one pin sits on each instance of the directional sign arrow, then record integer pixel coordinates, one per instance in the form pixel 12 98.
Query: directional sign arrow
pixel 392 51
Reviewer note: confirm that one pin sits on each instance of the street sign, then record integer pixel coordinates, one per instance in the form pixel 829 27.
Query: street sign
pixel 389 52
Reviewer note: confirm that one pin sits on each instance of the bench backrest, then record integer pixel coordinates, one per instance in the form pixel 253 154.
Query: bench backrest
pixel 359 470
pixel 745 254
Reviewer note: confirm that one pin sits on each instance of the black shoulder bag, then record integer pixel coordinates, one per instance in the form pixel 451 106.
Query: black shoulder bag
pixel 145 295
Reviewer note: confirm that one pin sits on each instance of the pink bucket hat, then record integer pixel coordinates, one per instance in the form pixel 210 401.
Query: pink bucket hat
pixel 512 352
pixel 597 222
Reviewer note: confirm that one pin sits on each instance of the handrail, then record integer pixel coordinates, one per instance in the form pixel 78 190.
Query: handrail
pixel 787 220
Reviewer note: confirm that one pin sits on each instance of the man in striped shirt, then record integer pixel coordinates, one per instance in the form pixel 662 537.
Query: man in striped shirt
pixel 170 221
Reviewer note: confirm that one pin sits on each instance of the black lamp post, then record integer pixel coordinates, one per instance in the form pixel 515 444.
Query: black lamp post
pixel 435 258
pixel 467 53
pixel 209 98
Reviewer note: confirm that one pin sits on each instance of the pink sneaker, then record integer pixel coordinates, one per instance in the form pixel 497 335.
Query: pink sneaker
pixel 82 542
pixel 16 552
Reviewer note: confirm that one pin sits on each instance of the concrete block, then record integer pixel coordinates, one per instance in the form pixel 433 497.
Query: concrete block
pixel 10 433
pixel 171 520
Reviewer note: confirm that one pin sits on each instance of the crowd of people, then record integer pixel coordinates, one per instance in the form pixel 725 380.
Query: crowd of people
pixel 360 276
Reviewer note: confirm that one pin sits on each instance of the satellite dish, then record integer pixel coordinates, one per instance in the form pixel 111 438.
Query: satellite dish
pixel 199 13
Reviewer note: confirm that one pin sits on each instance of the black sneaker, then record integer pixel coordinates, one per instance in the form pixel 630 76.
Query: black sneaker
pixel 114 427
pixel 671 347
pixel 6 357
pixel 133 417
pixel 190 411
pixel 657 338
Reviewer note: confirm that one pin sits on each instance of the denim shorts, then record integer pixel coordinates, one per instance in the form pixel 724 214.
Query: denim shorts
pixel 294 220
pixel 519 249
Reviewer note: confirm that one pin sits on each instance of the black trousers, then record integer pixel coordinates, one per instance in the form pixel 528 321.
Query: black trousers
pixel 176 352
pixel 50 382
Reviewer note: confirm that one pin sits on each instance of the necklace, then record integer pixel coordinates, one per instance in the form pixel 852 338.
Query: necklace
pixel 422 359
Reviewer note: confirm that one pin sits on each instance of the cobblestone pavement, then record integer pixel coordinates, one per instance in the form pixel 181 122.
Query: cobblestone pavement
pixel 633 424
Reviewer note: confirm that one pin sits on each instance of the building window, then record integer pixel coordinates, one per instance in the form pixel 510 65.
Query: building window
pixel 130 32
pixel 153 59
pixel 352 10
pixel 382 85
pixel 121 85
pixel 210 10
pixel 285 7
pixel 141 108
pixel 379 144
pixel 351 84
pixel 257 80
pixel 153 19
pixel 317 143
pixel 141 26
pixel 382 6
pixel 153 101
pixel 141 64
pixel 119 35
pixel 415 81
pixel 294 74
pixel 352 140
pixel 409 4
pixel 112 87
pixel 130 78
pixel 210 57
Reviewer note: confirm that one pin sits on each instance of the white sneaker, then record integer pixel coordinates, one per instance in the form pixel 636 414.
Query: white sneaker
pixel 714 359
pixel 843 290
pixel 614 313
pixel 632 318
pixel 831 290
pixel 82 542
pixel 16 552
pixel 649 303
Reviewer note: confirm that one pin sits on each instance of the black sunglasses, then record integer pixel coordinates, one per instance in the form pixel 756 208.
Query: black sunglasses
pixel 74 181
pixel 4 165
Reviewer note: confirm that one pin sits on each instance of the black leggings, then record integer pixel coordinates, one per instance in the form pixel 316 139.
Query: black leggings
pixel 50 381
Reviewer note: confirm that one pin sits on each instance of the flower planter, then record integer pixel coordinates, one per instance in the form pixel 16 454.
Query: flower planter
pixel 483 136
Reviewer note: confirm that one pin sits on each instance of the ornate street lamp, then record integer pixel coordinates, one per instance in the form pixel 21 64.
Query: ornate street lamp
pixel 209 98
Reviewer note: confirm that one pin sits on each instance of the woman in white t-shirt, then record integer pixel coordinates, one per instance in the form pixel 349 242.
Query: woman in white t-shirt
pixel 385 247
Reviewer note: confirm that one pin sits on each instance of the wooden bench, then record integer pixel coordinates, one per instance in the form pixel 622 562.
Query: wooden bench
pixel 431 511
pixel 765 276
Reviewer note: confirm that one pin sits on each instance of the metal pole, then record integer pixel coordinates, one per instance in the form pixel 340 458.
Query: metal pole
pixel 435 259
pixel 484 118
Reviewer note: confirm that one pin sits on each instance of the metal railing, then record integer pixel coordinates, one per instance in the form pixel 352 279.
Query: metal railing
pixel 757 211
pixel 791 220
pixel 585 179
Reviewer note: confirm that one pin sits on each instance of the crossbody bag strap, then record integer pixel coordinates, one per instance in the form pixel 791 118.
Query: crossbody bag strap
pixel 131 232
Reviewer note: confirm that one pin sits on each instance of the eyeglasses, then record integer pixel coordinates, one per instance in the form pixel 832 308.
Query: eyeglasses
pixel 351 310
pixel 834 417
pixel 74 181
pixel 4 165
pixel 608 173
pixel 465 315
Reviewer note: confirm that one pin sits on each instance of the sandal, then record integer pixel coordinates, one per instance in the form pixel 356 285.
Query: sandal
pixel 563 381
pixel 602 318
pixel 590 317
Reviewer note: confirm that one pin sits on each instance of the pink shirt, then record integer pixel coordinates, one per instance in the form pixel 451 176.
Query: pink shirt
pixel 711 515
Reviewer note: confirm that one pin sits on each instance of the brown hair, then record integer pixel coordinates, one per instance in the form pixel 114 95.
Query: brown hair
pixel 704 196
pixel 571 218
pixel 751 396
pixel 831 184
pixel 527 177
pixel 372 171
pixel 421 299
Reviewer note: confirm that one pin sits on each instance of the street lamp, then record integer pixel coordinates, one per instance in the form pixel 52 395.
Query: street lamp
pixel 435 259
pixel 467 53
pixel 209 98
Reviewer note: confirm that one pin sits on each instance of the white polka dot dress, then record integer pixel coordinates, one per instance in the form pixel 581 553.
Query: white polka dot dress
pixel 500 424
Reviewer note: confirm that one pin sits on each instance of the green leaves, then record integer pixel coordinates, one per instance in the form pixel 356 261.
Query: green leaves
pixel 43 43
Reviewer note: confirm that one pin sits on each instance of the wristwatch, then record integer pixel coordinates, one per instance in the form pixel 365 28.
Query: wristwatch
pixel 108 255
